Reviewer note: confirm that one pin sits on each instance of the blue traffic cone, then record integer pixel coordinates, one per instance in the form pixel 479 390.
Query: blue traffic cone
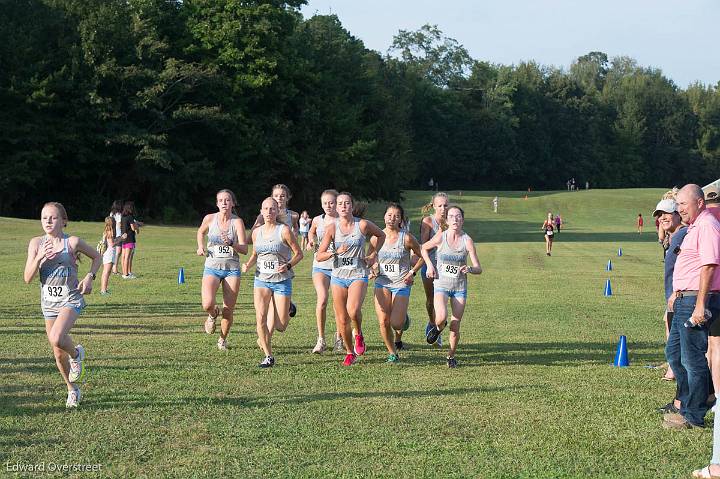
pixel 621 356
pixel 608 288
pixel 619 251
pixel 609 266
pixel 181 276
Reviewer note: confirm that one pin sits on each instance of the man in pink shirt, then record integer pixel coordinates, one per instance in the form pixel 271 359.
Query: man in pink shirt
pixel 695 302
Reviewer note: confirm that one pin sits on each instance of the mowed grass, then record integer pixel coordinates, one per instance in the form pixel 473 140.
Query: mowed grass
pixel 535 394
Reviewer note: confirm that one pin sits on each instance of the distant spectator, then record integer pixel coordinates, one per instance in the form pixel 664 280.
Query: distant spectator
pixel 558 222
pixel 304 221
pixel 640 223
pixel 116 214
pixel 129 227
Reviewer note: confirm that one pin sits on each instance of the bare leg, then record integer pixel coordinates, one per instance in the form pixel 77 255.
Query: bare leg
pixel 231 287
pixel 322 285
pixel 57 331
pixel 105 278
pixel 383 310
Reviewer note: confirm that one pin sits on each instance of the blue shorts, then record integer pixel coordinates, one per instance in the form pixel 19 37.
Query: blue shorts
pixel 345 283
pixel 452 294
pixel 282 288
pixel 405 291
pixel 221 273
pixel 326 272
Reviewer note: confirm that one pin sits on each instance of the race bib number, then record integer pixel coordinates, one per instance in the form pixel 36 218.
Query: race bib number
pixel 55 294
pixel 348 263
pixel 268 266
pixel 391 270
pixel 222 251
pixel 449 270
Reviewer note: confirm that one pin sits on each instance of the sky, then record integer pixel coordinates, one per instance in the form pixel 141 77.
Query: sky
pixel 680 37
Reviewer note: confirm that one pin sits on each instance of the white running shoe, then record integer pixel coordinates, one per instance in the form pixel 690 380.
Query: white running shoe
pixel 222 344
pixel 210 321
pixel 73 399
pixel 320 346
pixel 339 347
pixel 77 367
pixel 131 276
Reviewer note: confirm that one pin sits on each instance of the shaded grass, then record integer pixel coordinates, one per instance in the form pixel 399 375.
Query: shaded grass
pixel 535 395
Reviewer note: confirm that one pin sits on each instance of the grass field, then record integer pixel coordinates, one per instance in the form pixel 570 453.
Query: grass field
pixel 535 394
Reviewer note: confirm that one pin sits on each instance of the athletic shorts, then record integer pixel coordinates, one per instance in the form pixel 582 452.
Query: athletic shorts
pixel 282 288
pixel 405 291
pixel 451 293
pixel 345 283
pixel 128 246
pixel 52 315
pixel 326 272
pixel 221 273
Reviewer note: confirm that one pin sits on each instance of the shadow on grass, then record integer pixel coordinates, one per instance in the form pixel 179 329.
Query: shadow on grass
pixel 555 354
pixel 118 402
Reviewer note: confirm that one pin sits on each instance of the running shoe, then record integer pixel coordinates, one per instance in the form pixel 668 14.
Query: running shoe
pixel 131 276
pixel 338 347
pixel 393 359
pixel 359 345
pixel 399 346
pixel 406 324
pixel 428 327
pixel 210 321
pixel 293 309
pixel 268 362
pixel 73 399
pixel 451 362
pixel 77 367
pixel 222 344
pixel 320 346
pixel 104 293
pixel 350 359
pixel 433 335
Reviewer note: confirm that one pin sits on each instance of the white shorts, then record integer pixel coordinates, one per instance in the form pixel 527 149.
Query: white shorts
pixel 109 256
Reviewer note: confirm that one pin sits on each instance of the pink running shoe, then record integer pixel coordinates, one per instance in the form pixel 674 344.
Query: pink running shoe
pixel 350 359
pixel 359 345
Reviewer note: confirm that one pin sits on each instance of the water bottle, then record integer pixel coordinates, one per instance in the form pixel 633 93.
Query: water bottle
pixel 690 324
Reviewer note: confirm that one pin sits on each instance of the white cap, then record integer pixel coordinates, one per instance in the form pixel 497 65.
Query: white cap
pixel 665 206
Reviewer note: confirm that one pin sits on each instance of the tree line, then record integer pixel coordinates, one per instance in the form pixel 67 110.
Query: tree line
pixel 167 101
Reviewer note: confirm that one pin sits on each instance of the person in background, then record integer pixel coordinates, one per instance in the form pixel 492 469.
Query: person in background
pixel 558 222
pixel 695 302
pixel 305 221
pixel 116 214
pixel 129 228
pixel 640 223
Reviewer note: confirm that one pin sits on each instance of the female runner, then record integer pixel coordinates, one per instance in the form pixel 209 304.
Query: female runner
pixel 225 242
pixel 453 248
pixel 276 251
pixel 394 277
pixel 428 228
pixel 350 275
pixel 548 228
pixel 322 270
pixel 55 256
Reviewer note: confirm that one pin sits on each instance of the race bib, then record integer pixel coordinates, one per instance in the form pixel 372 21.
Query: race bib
pixel 268 266
pixel 449 270
pixel 222 251
pixel 550 233
pixel 55 294
pixel 348 263
pixel 391 270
